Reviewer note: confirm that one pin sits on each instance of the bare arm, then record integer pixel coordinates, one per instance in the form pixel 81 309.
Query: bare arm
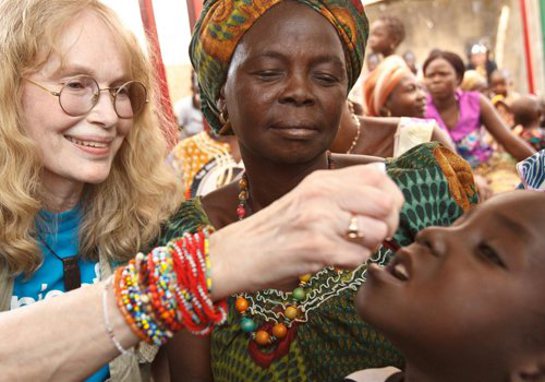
pixel 513 145
pixel 442 137
pixel 61 339
pixel 65 339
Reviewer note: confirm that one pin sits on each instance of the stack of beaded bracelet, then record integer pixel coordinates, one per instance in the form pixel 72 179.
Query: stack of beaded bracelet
pixel 169 289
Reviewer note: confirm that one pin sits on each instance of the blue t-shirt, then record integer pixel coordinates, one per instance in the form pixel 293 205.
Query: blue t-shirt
pixel 60 231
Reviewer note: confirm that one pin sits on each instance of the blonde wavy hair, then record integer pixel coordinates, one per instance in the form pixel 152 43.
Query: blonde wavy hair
pixel 123 214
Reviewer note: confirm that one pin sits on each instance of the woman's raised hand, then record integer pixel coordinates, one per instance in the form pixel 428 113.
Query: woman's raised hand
pixel 307 230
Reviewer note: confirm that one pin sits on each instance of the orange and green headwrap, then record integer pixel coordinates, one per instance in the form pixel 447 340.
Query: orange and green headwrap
pixel 223 23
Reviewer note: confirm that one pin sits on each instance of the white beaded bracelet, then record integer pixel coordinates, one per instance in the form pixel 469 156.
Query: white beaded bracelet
pixel 107 323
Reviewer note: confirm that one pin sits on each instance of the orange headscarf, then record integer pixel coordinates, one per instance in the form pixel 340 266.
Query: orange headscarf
pixel 381 82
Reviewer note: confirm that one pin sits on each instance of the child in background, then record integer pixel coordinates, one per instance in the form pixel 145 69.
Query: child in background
pixel 503 107
pixel 385 35
pixel 500 84
pixel 465 303
pixel 527 115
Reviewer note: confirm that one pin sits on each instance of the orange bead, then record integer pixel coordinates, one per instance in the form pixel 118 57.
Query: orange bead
pixel 291 312
pixel 279 330
pixel 305 278
pixel 262 337
pixel 241 304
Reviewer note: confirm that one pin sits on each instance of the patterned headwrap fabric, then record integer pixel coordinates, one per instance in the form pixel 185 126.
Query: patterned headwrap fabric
pixel 223 23
pixel 381 82
pixel 532 171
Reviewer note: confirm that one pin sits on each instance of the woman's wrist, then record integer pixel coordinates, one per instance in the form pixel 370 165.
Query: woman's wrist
pixel 168 290
pixel 227 278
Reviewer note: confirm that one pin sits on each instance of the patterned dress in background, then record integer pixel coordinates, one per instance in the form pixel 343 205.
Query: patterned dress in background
pixel 203 164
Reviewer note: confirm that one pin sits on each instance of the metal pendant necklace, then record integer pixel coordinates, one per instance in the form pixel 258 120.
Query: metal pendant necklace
pixel 71 274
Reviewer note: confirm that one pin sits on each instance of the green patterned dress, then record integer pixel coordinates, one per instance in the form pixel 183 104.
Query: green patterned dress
pixel 333 341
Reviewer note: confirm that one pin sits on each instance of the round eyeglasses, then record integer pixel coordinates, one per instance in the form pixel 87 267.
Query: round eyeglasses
pixel 81 94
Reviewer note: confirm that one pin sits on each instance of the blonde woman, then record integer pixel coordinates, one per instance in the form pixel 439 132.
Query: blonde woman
pixel 84 188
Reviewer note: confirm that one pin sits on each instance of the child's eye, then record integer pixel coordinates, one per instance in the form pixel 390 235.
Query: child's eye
pixel 488 254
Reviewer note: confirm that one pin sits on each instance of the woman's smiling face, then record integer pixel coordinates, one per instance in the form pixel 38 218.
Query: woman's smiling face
pixel 408 98
pixel 287 85
pixel 78 149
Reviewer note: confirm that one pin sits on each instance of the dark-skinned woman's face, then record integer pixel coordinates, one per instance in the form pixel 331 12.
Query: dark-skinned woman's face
pixel 440 78
pixel 287 85
pixel 408 99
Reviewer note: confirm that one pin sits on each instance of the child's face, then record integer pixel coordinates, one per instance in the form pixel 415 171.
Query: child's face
pixel 466 292
pixel 380 38
pixel 499 84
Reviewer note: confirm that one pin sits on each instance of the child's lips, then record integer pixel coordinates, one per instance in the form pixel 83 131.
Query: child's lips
pixel 401 266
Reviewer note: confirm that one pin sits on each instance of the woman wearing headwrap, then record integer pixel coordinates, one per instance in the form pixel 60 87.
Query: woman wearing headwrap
pixel 391 90
pixel 385 86
pixel 277 74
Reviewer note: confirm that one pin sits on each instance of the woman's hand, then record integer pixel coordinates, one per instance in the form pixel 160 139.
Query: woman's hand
pixel 305 230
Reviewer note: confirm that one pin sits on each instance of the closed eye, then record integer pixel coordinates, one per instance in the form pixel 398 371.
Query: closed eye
pixel 326 79
pixel 268 75
pixel 488 254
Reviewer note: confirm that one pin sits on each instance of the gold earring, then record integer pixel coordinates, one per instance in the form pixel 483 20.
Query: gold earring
pixel 225 123
pixel 224 117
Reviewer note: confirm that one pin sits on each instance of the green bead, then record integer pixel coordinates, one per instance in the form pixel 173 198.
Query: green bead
pixel 247 325
pixel 299 294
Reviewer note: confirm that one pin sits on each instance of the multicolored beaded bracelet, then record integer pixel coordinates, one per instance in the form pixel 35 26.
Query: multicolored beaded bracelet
pixel 169 289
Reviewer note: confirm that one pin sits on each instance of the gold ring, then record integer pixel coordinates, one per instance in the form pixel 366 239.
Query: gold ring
pixel 353 232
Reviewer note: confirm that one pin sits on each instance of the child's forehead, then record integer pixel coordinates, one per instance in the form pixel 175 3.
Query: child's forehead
pixel 525 207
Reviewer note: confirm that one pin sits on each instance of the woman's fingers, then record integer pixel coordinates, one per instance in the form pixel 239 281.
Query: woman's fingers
pixel 365 231
pixel 362 190
pixel 335 217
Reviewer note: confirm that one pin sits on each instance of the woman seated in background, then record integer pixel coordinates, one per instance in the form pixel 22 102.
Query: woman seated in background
pixel 278 76
pixel 463 114
pixel 394 106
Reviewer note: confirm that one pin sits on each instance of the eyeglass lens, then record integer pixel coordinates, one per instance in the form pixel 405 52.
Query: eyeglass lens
pixel 80 95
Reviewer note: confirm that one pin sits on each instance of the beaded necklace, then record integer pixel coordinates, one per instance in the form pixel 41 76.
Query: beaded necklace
pixel 271 317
